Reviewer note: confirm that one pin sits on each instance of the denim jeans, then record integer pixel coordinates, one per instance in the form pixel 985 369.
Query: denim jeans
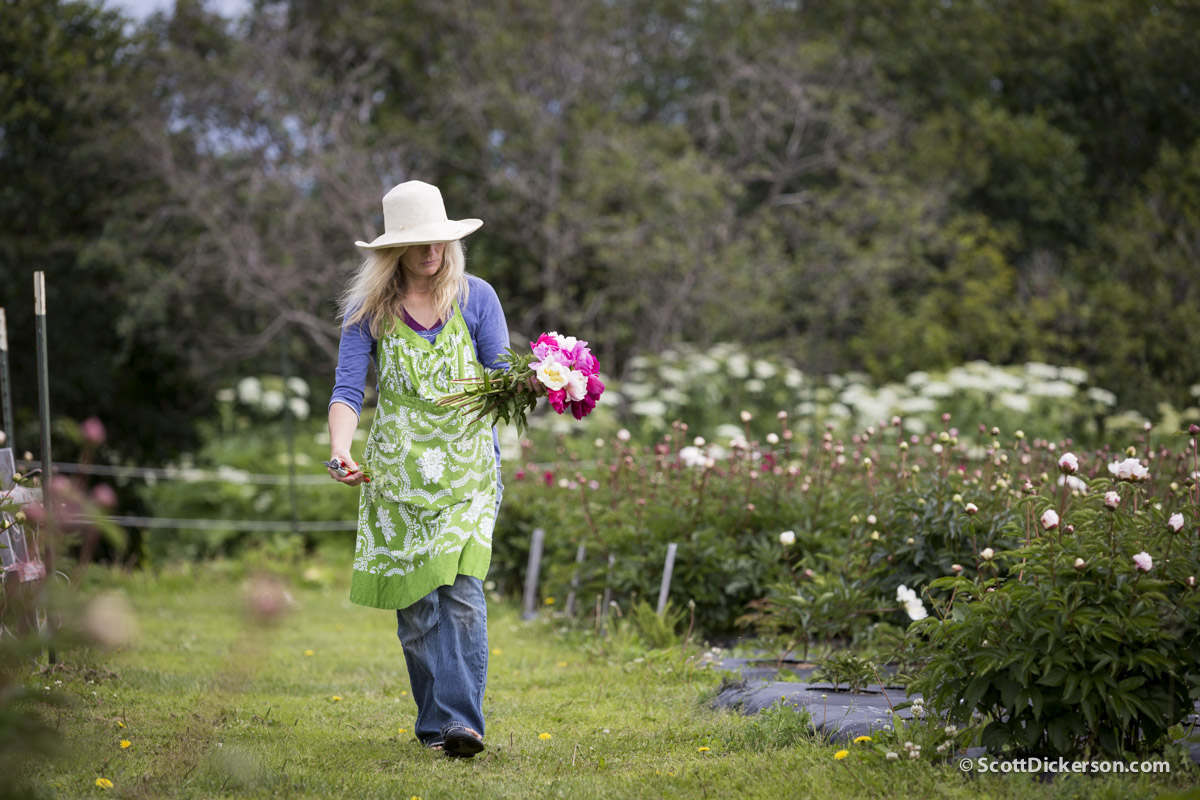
pixel 445 646
pixel 444 636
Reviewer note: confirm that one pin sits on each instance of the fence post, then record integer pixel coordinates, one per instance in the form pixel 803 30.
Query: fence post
pixel 668 568
pixel 5 384
pixel 531 574
pixel 612 559
pixel 43 363
pixel 579 555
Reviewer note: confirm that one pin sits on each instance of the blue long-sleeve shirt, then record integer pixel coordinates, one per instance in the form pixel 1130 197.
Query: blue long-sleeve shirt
pixel 489 335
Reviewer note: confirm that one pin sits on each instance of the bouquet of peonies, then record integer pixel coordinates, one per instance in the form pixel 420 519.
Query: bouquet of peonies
pixel 560 367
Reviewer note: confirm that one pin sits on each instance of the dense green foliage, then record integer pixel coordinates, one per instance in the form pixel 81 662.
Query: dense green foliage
pixel 868 184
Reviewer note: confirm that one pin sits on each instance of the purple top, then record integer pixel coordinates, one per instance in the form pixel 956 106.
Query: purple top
pixel 484 318
pixel 418 327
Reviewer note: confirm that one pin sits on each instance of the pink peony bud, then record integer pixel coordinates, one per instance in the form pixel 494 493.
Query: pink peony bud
pixel 1191 581
pixel 1194 429
pixel 1049 519
pixel 1069 529
pixel 956 568
pixel 104 496
pixel 1143 561
pixel 1112 500
pixel 1068 463
pixel 1080 563
pixel 987 554
pixel 1175 523
pixel 93 431
pixel 971 509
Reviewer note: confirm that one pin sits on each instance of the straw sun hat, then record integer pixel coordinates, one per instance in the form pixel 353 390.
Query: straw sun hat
pixel 413 213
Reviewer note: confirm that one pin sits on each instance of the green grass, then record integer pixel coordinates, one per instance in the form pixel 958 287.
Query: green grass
pixel 215 705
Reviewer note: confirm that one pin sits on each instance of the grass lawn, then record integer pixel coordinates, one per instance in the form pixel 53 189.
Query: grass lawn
pixel 316 704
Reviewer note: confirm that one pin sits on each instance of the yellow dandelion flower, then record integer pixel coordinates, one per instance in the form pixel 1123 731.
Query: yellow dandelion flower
pixel 562 663
pixel 336 698
pixel 400 730
pixel 403 693
pixel 701 749
pixel 120 724
pixel 125 743
pixel 496 651
pixel 549 601
pixel 861 739
pixel 414 797
pixel 104 783
pixel 840 754
pixel 543 736
pixel 309 653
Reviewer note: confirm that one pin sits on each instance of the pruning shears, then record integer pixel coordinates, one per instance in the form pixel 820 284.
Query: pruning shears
pixel 337 466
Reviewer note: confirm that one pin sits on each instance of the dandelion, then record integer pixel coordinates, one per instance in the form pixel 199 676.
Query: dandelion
pixel 562 663
pixel 543 736
pixel 496 651
pixel 549 601
pixel 1049 519
pixel 1143 562
pixel 104 783
pixel 701 749
pixel 337 698
pixel 840 754
pixel 309 653
pixel 403 692
pixel 125 743
pixel 861 739
pixel 1175 523
pixel 120 724
pixel 401 730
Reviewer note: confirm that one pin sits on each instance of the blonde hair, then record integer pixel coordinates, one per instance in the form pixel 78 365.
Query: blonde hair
pixel 377 291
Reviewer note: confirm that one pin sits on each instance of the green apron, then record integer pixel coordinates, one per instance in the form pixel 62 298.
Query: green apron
pixel 427 514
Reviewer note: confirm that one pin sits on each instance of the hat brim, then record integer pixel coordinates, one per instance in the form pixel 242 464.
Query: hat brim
pixel 449 231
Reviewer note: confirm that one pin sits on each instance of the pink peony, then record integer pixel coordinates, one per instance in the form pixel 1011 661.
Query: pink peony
pixel 1112 499
pixel 1143 561
pixel 576 387
pixel 1068 463
pixel 558 399
pixel 1175 523
pixel 1049 519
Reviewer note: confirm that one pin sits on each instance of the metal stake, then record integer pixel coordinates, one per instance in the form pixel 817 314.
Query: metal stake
pixel 579 555
pixel 43 368
pixel 668 568
pixel 6 384
pixel 531 575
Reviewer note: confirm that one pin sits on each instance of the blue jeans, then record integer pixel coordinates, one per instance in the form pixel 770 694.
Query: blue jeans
pixel 444 635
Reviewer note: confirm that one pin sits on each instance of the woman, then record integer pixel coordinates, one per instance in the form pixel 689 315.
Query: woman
pixel 427 510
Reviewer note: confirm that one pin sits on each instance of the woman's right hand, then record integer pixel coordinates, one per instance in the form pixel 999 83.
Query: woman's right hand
pixel 354 477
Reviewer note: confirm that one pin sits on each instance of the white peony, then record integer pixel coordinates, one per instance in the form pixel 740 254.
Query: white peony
pixel 552 375
pixel 576 385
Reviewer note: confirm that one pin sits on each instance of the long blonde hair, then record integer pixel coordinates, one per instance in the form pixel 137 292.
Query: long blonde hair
pixel 377 291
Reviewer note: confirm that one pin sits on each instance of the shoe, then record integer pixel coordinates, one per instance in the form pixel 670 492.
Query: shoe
pixel 461 741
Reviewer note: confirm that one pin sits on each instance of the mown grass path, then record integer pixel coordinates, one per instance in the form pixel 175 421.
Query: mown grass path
pixel 316 705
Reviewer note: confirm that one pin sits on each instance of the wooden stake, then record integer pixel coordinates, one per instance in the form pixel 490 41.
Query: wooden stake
pixel 531 574
pixel 668 568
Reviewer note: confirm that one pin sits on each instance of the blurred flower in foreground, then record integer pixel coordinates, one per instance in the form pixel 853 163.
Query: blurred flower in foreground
pixel 267 599
pixel 108 620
